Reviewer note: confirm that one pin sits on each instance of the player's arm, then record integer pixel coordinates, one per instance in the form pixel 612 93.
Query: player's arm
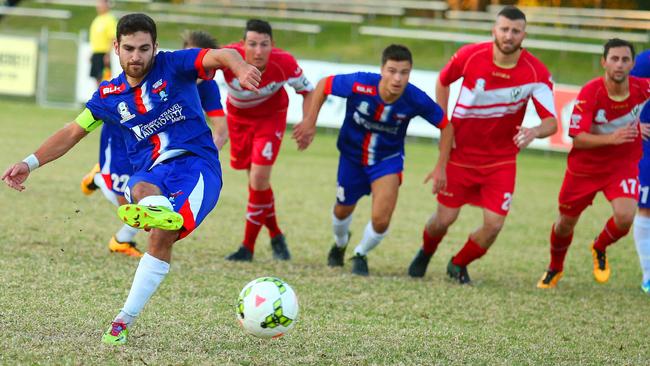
pixel 304 131
pixel 439 173
pixel 248 75
pixel 586 140
pixel 526 135
pixel 442 96
pixel 219 130
pixel 53 148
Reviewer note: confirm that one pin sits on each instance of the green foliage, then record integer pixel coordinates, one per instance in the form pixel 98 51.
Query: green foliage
pixel 60 287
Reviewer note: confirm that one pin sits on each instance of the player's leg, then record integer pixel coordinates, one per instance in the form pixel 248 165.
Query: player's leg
pixel 123 240
pixel 384 198
pixel 461 189
pixel 577 193
pixel 261 194
pixel 352 184
pixel 642 241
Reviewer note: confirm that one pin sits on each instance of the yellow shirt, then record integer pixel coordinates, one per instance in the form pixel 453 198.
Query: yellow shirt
pixel 102 33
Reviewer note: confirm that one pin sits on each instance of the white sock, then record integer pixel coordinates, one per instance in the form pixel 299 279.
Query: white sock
pixel 370 240
pixel 156 201
pixel 106 190
pixel 341 230
pixel 642 241
pixel 126 234
pixel 150 273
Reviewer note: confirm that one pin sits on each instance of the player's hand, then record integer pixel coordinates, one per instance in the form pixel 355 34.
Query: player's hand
pixel 304 134
pixel 524 136
pixel 248 75
pixel 15 175
pixel 624 135
pixel 645 131
pixel 439 177
pixel 220 140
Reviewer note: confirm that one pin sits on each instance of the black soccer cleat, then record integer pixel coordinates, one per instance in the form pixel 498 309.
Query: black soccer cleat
pixel 336 255
pixel 280 249
pixel 241 255
pixel 458 273
pixel 360 265
pixel 419 264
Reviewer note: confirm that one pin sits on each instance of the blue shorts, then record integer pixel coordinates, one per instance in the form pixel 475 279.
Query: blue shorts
pixel 644 183
pixel 191 183
pixel 114 164
pixel 354 179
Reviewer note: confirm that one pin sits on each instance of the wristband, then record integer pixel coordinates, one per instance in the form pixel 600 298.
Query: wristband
pixel 32 162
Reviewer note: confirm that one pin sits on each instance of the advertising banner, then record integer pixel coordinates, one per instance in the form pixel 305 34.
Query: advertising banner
pixel 18 65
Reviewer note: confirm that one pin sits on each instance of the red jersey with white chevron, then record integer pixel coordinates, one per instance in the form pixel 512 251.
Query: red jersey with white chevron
pixel 281 69
pixel 492 103
pixel 595 112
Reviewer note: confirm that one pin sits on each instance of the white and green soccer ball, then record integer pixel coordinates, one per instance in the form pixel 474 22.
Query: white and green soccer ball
pixel 267 307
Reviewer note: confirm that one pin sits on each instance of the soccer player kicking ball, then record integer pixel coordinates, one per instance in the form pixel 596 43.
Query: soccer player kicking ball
pixel 642 220
pixel 371 142
pixel 114 169
pixel 177 176
pixel 604 158
pixel 256 124
pixel 499 78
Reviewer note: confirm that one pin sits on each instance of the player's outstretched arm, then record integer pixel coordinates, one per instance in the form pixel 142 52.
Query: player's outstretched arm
pixel 54 147
pixel 585 140
pixel 305 131
pixel 248 75
pixel 439 173
pixel 526 135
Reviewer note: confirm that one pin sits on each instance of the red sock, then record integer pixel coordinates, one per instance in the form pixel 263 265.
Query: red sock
pixel 271 222
pixel 258 203
pixel 559 247
pixel 470 252
pixel 430 243
pixel 610 234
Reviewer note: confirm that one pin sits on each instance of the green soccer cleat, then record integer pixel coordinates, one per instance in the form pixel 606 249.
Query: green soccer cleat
pixel 150 217
pixel 116 334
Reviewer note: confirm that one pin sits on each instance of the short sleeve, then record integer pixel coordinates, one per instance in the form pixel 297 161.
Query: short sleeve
pixel 297 78
pixel 430 110
pixel 582 112
pixel 543 97
pixel 96 106
pixel 210 98
pixel 189 63
pixel 454 69
pixel 340 85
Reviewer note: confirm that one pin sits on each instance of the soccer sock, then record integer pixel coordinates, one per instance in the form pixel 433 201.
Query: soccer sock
pixel 559 247
pixel 341 229
pixel 642 241
pixel 271 221
pixel 610 234
pixel 370 239
pixel 106 190
pixel 258 204
pixel 430 243
pixel 126 234
pixel 150 273
pixel 470 252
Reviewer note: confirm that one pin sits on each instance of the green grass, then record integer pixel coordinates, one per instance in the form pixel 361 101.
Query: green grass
pixel 60 287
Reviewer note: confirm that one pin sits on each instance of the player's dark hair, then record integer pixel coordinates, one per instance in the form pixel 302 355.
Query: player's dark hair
pixel 136 22
pixel 396 52
pixel 258 26
pixel 198 39
pixel 617 42
pixel 512 12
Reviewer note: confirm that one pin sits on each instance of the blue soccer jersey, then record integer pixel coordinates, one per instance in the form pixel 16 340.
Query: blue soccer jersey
pixel 373 130
pixel 642 69
pixel 210 98
pixel 161 117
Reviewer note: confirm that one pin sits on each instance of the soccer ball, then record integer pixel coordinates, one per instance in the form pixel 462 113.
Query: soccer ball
pixel 267 307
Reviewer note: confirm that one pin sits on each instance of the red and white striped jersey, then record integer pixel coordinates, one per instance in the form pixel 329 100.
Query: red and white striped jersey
pixel 595 112
pixel 492 103
pixel 282 68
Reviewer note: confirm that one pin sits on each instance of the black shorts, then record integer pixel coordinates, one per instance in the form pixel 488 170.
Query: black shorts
pixel 97 65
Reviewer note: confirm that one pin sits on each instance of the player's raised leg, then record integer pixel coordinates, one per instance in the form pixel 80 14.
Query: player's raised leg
pixel 434 231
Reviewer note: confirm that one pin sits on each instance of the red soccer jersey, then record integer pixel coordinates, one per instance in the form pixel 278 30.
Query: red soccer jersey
pixel 595 112
pixel 492 103
pixel 272 98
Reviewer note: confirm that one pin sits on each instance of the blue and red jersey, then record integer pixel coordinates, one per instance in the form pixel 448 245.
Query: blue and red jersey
pixel 372 129
pixel 642 70
pixel 162 117
pixel 210 98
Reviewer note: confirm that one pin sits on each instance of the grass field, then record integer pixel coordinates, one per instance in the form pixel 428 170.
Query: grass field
pixel 60 287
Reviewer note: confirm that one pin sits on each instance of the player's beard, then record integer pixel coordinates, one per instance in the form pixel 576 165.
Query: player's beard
pixel 618 79
pixel 137 70
pixel 510 49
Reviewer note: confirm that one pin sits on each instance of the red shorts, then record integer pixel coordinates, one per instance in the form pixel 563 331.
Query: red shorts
pixel 255 141
pixel 578 191
pixel 488 187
